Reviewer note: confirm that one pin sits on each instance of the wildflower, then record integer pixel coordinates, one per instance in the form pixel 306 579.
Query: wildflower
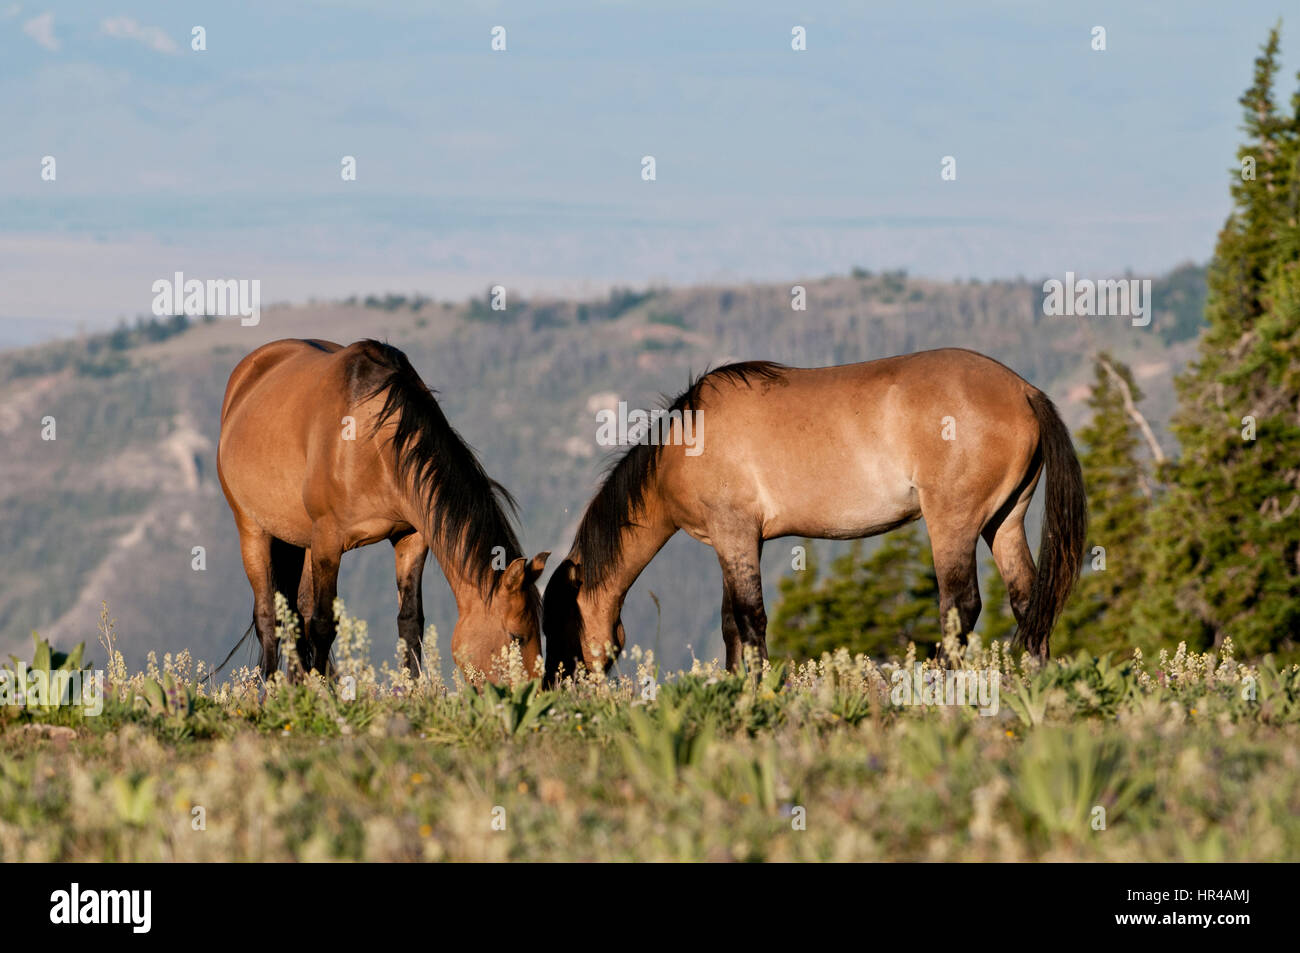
pixel 426 830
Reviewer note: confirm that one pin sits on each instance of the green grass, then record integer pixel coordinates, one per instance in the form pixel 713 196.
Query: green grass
pixel 1192 757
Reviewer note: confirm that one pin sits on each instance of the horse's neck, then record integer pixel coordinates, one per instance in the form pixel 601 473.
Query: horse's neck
pixel 640 544
pixel 465 581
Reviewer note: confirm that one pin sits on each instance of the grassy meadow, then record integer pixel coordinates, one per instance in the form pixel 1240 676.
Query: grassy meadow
pixel 1185 757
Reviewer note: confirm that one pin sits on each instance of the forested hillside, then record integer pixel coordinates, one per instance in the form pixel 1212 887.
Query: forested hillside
pixel 112 509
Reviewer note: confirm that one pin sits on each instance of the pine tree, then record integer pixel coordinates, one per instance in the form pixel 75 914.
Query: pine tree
pixel 1227 555
pixel 1098 616
pixel 875 604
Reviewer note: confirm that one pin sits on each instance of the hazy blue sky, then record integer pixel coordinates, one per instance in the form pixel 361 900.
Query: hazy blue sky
pixel 523 167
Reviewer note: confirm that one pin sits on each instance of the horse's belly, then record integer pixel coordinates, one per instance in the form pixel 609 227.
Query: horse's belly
pixel 844 519
pixel 871 500
pixel 373 530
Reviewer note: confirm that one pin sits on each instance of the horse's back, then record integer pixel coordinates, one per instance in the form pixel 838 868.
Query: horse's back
pixel 846 450
pixel 889 393
pixel 922 375
pixel 260 363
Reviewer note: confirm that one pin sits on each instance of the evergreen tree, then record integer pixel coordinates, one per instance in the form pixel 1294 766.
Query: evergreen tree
pixel 1098 616
pixel 1227 532
pixel 875 604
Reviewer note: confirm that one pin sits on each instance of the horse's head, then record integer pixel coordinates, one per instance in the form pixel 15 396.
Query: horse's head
pixel 575 634
pixel 487 628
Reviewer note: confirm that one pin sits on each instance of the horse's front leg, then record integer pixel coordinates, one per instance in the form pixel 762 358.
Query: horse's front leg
pixel 409 555
pixel 742 599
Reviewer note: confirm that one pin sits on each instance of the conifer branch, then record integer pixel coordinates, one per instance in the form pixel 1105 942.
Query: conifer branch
pixel 1132 410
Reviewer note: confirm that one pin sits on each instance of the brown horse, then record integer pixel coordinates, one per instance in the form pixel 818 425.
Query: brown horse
pixel 325 448
pixel 833 453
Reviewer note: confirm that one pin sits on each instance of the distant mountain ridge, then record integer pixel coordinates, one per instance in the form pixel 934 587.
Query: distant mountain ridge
pixel 113 508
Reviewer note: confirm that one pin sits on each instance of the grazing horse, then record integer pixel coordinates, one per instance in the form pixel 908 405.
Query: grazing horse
pixel 325 448
pixel 833 453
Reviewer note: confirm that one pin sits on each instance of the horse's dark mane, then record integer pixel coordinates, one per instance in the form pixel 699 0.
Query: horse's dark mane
pixel 599 541
pixel 465 508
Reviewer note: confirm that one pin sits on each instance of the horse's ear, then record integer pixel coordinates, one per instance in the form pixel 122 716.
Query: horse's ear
pixel 535 567
pixel 513 575
pixel 572 573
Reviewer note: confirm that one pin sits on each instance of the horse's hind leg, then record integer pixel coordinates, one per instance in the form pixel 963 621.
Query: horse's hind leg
pixel 954 564
pixel 255 550
pixel 743 584
pixel 286 574
pixel 730 632
pixel 409 555
pixel 325 553
pixel 953 545
pixel 1006 537
pixel 306 611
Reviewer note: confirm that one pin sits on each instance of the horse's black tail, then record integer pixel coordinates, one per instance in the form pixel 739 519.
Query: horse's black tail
pixel 252 627
pixel 1065 525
